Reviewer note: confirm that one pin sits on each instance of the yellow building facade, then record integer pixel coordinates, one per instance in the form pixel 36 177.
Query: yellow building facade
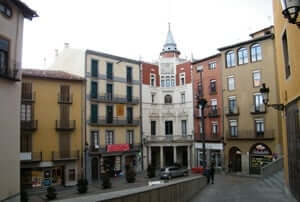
pixel 252 132
pixel 287 42
pixel 52 132
pixel 113 114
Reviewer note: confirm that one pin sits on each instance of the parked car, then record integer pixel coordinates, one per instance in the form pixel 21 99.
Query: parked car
pixel 172 171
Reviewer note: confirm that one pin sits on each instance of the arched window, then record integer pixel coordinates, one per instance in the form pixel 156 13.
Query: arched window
pixel 168 99
pixel 243 56
pixel 230 59
pixel 256 54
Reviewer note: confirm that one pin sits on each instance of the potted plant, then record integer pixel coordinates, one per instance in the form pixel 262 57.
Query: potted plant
pixel 130 175
pixel 82 186
pixel 51 193
pixel 151 171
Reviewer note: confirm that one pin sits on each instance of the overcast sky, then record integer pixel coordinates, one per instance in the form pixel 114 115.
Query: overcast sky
pixel 138 28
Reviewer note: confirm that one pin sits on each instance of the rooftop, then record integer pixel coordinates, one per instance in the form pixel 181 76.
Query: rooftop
pixel 26 10
pixel 50 74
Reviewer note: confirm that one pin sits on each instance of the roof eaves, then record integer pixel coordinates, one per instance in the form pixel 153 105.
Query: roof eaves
pixel 27 11
pixel 112 57
pixel 206 58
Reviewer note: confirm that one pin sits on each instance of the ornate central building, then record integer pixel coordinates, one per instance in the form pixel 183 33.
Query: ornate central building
pixel 167 109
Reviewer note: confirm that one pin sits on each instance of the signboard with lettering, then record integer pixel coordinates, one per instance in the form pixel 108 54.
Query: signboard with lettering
pixel 117 147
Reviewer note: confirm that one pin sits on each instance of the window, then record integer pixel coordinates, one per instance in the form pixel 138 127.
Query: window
pixel 212 65
pixel 182 79
pixel 72 174
pixel 162 81
pixel 168 81
pixel 65 93
pixel 258 102
pixel 214 128
pixel 94 68
pixel 152 98
pixel 183 128
pixel 109 137
pixel 129 93
pixel 109 91
pixel 231 83
pixel 172 81
pixel 26 112
pixel 259 127
pixel 94 89
pixel 256 78
pixel 109 114
pixel 233 128
pixel 256 54
pixel 214 106
pixel 232 104
pixel 5 10
pixel 168 99
pixel 230 60
pixel 27 91
pixel 200 90
pixel 4 44
pixel 130 139
pixel 129 113
pixel 182 98
pixel 213 86
pixel 94 113
pixel 243 56
pixel 169 127
pixel 109 71
pixel 286 55
pixel 153 127
pixel 129 74
pixel 152 80
pixel 95 139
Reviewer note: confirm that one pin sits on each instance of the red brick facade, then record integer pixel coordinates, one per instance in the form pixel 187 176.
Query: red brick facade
pixel 186 68
pixel 147 69
pixel 207 76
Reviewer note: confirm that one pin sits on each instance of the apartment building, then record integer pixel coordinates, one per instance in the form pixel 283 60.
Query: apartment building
pixel 287 57
pixel 252 132
pixel 207 84
pixel 52 128
pixel 12 15
pixel 167 109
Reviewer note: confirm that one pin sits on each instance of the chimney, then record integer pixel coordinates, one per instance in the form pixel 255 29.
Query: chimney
pixel 67 45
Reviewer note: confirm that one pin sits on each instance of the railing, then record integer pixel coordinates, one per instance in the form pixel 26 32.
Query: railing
pixel 257 109
pixel 115 98
pixel 31 156
pixel 28 96
pixel 209 136
pixel 212 91
pixel 213 111
pixel 114 121
pixel 29 124
pixel 272 168
pixel 65 124
pixel 66 99
pixel 232 111
pixel 168 138
pixel 65 155
pixel 251 135
pixel 11 73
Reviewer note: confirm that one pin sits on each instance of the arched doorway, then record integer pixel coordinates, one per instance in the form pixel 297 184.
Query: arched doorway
pixel 95 167
pixel 235 160
pixel 260 155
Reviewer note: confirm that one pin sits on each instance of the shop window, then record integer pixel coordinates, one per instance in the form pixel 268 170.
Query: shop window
pixel 71 174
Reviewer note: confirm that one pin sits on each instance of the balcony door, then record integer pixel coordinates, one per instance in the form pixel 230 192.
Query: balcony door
pixel 65 115
pixel 169 127
pixel 129 93
pixel 129 114
pixel 109 91
pixel 258 102
pixel 65 93
pixel 64 145
pixel 109 114
pixel 232 104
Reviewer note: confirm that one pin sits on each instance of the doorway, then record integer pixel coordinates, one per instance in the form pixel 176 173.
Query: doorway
pixel 235 160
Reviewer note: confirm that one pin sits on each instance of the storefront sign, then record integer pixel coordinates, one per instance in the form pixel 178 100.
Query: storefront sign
pixel 261 150
pixel 213 146
pixel 117 147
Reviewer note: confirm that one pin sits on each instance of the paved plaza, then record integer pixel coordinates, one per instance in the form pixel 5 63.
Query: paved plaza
pixel 240 189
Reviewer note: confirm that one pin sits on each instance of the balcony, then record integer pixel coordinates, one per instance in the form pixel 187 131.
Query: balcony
pixel 232 111
pixel 114 121
pixel 29 125
pixel 213 112
pixel 65 155
pixel 212 91
pixel 209 137
pixel 65 125
pixel 168 138
pixel 31 156
pixel 118 99
pixel 11 73
pixel 252 135
pixel 103 148
pixel 28 96
pixel 258 109
pixel 65 99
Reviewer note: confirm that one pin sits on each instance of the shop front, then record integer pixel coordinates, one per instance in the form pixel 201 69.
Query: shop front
pixel 214 154
pixel 260 155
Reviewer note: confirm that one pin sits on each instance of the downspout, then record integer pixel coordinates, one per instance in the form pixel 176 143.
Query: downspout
pixel 141 115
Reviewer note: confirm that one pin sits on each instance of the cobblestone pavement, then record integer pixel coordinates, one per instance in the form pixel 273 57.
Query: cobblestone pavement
pixel 239 189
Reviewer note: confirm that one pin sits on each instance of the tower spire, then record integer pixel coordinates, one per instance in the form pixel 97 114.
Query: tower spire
pixel 170 45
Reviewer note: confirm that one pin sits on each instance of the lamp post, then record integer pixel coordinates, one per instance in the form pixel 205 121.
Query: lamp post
pixel 265 92
pixel 290 10
pixel 201 103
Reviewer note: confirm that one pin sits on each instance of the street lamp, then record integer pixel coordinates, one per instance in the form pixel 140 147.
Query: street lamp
pixel 202 102
pixel 290 10
pixel 265 92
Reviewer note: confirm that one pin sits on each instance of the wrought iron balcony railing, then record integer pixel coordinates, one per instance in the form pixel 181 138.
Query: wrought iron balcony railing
pixel 28 96
pixel 30 125
pixel 65 125
pixel 168 138
pixel 114 121
pixel 65 99
pixel 31 156
pixel 213 111
pixel 115 98
pixel 251 135
pixel 65 155
pixel 258 109
pixel 11 72
pixel 232 111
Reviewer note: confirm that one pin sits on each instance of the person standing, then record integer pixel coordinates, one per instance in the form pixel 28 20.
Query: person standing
pixel 212 172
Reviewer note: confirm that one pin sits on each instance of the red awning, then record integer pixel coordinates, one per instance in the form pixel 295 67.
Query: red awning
pixel 117 147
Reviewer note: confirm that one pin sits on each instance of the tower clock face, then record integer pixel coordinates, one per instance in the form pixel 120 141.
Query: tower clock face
pixel 167 68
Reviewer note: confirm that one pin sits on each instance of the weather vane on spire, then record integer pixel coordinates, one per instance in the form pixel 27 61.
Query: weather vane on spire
pixel 169 26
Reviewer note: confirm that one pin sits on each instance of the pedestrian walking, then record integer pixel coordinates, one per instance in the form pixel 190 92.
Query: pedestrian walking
pixel 212 172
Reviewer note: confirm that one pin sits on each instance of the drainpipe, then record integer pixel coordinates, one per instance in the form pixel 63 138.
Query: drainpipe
pixel 141 114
